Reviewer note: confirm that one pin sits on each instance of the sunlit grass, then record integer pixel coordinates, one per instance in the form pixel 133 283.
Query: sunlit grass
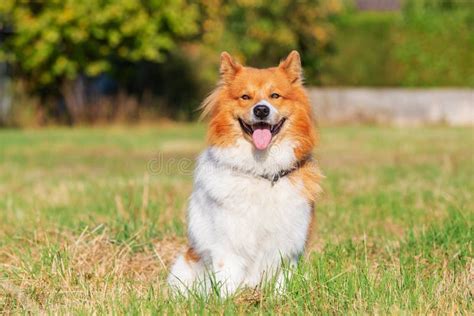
pixel 89 222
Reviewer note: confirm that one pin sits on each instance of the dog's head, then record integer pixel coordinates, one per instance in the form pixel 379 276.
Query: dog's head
pixel 263 106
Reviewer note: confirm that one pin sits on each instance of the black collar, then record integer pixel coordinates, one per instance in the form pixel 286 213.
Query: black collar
pixel 273 178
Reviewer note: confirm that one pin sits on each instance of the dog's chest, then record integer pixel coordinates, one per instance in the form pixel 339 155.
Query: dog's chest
pixel 253 214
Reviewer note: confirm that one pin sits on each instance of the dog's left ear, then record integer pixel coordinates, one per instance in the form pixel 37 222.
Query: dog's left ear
pixel 292 67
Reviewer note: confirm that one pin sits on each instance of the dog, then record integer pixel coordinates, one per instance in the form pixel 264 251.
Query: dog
pixel 255 185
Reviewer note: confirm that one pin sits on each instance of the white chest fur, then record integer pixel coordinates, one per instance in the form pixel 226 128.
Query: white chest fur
pixel 241 223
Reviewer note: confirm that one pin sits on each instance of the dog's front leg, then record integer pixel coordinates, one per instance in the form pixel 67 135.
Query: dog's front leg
pixel 228 271
pixel 284 274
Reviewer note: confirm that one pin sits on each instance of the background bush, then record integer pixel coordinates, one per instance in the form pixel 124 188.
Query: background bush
pixel 427 44
pixel 90 61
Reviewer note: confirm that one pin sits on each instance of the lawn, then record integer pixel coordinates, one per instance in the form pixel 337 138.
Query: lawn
pixel 91 218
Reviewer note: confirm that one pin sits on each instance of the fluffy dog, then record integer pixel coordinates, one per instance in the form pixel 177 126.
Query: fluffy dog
pixel 256 183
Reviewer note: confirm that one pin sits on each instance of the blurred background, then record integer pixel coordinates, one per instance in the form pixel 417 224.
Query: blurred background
pixel 97 62
pixel 99 132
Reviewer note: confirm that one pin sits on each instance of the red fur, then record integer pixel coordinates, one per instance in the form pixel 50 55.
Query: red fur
pixel 225 104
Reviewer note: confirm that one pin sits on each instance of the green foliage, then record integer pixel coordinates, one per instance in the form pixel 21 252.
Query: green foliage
pixel 58 40
pixel 262 32
pixel 429 43
pixel 434 44
pixel 436 5
pixel 362 49
pixel 163 54
pixel 55 42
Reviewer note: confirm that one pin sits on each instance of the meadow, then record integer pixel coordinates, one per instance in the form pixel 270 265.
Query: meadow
pixel 91 219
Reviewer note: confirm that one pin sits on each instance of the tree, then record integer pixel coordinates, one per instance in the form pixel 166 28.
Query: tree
pixel 55 42
pixel 261 32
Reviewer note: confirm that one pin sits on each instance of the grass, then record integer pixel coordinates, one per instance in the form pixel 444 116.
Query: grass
pixel 90 219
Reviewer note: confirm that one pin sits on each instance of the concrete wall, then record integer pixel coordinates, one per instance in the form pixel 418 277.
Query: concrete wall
pixel 394 106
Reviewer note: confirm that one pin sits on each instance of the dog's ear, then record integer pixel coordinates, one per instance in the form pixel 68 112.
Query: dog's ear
pixel 291 65
pixel 229 67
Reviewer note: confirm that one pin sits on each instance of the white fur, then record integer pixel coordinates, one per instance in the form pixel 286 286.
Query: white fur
pixel 240 224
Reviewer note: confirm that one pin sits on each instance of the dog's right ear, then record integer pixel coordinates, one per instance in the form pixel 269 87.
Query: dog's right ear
pixel 292 67
pixel 229 67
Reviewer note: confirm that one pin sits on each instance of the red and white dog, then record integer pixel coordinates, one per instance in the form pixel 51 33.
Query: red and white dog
pixel 256 183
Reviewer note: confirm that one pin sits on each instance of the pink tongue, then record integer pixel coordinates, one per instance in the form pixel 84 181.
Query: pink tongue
pixel 261 138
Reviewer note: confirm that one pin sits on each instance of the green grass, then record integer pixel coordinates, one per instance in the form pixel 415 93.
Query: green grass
pixel 89 225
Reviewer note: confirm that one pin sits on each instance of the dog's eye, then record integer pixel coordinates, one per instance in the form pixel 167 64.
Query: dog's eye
pixel 275 96
pixel 245 97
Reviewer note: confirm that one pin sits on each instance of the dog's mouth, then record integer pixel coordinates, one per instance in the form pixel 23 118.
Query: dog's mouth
pixel 262 133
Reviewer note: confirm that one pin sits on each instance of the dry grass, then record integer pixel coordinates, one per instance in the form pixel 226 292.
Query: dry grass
pixel 88 229
pixel 80 264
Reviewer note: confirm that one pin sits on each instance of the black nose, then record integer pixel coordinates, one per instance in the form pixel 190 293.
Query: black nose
pixel 261 111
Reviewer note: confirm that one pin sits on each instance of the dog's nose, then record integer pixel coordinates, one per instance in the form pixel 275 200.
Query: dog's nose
pixel 261 111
